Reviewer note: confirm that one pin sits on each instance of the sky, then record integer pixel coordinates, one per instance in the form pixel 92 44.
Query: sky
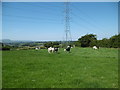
pixel 45 21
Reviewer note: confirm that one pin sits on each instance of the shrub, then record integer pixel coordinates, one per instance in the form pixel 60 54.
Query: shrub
pixel 43 47
pixel 5 48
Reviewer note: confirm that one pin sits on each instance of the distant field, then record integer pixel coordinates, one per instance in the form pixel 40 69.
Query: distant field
pixel 82 68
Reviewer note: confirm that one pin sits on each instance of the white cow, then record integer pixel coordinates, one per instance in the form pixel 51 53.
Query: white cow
pixel 50 49
pixel 95 47
pixel 36 48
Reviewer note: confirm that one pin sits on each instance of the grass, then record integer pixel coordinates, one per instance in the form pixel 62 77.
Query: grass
pixel 82 68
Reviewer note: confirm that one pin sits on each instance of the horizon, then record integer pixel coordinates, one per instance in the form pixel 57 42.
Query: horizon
pixel 51 40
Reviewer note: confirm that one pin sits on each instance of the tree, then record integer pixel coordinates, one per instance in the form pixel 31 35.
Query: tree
pixel 104 43
pixel 52 44
pixel 55 43
pixel 6 47
pixel 48 44
pixel 77 43
pixel 26 44
pixel 87 40
pixel 115 41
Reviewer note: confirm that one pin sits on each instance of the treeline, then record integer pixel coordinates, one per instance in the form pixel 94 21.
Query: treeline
pixel 29 45
pixel 90 40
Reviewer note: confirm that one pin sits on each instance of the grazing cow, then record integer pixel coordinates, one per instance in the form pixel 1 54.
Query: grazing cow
pixel 36 48
pixel 56 49
pixel 53 50
pixel 68 48
pixel 95 47
pixel 50 49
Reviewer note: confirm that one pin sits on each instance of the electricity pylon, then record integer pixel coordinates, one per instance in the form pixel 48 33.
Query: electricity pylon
pixel 68 37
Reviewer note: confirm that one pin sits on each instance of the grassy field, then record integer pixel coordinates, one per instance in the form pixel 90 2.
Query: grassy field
pixel 82 68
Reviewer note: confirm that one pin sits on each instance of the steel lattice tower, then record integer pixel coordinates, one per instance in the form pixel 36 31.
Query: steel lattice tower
pixel 67 23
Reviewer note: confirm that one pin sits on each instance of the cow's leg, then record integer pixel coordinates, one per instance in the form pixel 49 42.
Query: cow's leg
pixel 48 51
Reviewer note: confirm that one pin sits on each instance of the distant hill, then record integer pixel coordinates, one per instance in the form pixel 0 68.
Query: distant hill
pixel 6 40
pixel 24 41
pixel 13 41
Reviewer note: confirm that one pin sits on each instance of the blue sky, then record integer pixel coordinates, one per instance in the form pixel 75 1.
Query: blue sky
pixel 45 20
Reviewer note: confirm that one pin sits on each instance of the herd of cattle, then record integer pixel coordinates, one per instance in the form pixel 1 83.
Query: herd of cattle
pixel 51 49
pixel 68 49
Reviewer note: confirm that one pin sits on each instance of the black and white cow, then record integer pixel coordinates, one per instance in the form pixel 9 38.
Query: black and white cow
pixel 51 49
pixel 68 48
pixel 56 49
pixel 95 47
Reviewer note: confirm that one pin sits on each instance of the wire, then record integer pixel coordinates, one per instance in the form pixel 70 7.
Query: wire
pixel 92 19
pixel 80 19
pixel 36 11
pixel 30 17
pixel 41 5
pixel 85 26
pixel 33 21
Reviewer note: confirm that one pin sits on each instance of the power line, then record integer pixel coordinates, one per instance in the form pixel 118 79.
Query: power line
pixel 30 21
pixel 26 17
pixel 92 20
pixel 35 10
pixel 85 26
pixel 80 18
pixel 41 5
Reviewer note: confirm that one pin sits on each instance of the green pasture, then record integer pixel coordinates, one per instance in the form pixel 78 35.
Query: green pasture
pixel 82 68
